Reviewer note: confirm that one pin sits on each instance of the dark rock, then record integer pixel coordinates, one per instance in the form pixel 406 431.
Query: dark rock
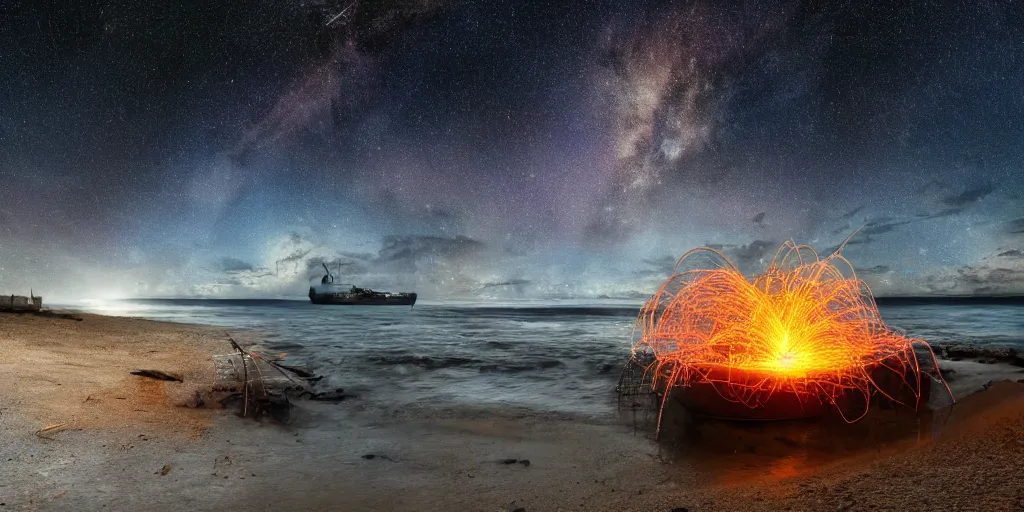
pixel 519 509
pixel 509 462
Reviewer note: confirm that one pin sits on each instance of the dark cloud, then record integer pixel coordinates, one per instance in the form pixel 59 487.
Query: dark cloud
pixel 227 264
pixel 1015 226
pixel 840 230
pixel 968 196
pixel 410 248
pixel 749 257
pixel 659 267
pixel 948 212
pixel 849 215
pixel 297 253
pixel 977 280
pixel 875 270
pixel 882 225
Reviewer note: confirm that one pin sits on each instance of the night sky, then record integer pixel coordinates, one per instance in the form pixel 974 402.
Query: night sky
pixel 506 148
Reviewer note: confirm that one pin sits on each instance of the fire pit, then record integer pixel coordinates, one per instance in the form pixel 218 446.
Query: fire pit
pixel 798 340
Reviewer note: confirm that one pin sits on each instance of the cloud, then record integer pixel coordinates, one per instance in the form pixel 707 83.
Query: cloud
pixel 875 270
pixel 227 264
pixel 968 196
pixel 751 257
pixel 1001 273
pixel 948 212
pixel 662 266
pixel 849 215
pixel 412 248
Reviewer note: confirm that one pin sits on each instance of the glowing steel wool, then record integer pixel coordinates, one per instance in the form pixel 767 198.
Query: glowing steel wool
pixel 803 327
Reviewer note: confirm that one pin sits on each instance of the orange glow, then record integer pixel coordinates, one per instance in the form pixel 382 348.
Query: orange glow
pixel 803 326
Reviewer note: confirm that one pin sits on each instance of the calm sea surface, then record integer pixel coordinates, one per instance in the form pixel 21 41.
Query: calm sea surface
pixel 545 356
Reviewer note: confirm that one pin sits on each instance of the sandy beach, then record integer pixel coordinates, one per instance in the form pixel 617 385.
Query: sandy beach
pixel 123 442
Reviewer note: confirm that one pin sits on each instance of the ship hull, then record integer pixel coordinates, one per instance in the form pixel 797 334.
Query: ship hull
pixel 402 299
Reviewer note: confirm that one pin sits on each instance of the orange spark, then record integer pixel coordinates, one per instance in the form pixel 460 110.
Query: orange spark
pixel 803 327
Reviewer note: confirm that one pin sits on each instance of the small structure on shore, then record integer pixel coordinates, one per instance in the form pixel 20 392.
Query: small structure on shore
pixel 21 303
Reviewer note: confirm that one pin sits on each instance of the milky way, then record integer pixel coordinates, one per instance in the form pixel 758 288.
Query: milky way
pixel 506 148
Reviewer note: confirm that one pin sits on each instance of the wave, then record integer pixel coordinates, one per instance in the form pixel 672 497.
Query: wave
pixel 523 367
pixel 425 362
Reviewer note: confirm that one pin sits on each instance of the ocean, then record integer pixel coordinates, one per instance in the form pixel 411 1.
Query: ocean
pixel 546 357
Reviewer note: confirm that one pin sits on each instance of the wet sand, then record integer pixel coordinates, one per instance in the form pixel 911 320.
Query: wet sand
pixel 131 443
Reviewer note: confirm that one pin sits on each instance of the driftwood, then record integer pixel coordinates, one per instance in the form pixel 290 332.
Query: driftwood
pixel 158 375
pixel 50 428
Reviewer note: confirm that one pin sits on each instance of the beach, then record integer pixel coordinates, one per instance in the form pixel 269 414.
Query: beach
pixel 124 442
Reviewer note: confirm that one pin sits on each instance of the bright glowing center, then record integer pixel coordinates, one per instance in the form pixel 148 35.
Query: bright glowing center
pixel 786 360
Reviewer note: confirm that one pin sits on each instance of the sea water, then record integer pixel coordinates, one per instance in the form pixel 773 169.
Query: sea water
pixel 547 357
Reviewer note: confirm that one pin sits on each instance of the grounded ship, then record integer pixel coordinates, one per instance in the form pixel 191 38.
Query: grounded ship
pixel 330 293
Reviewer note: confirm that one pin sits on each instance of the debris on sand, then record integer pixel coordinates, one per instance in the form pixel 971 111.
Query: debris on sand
pixel 57 427
pixel 509 462
pixel 371 456
pixel 158 375
pixel 262 386
pixel 47 313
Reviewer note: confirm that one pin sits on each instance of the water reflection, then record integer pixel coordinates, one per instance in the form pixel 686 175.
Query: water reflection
pixel 729 453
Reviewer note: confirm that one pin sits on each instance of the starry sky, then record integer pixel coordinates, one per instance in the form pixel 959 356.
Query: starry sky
pixel 506 148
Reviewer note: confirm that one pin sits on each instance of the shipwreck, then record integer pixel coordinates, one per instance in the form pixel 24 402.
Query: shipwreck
pixel 345 294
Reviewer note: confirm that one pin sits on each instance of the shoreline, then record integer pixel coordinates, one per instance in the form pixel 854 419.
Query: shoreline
pixel 135 443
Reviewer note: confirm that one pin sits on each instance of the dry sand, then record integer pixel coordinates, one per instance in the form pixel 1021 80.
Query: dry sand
pixel 134 444
pixel 61 371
